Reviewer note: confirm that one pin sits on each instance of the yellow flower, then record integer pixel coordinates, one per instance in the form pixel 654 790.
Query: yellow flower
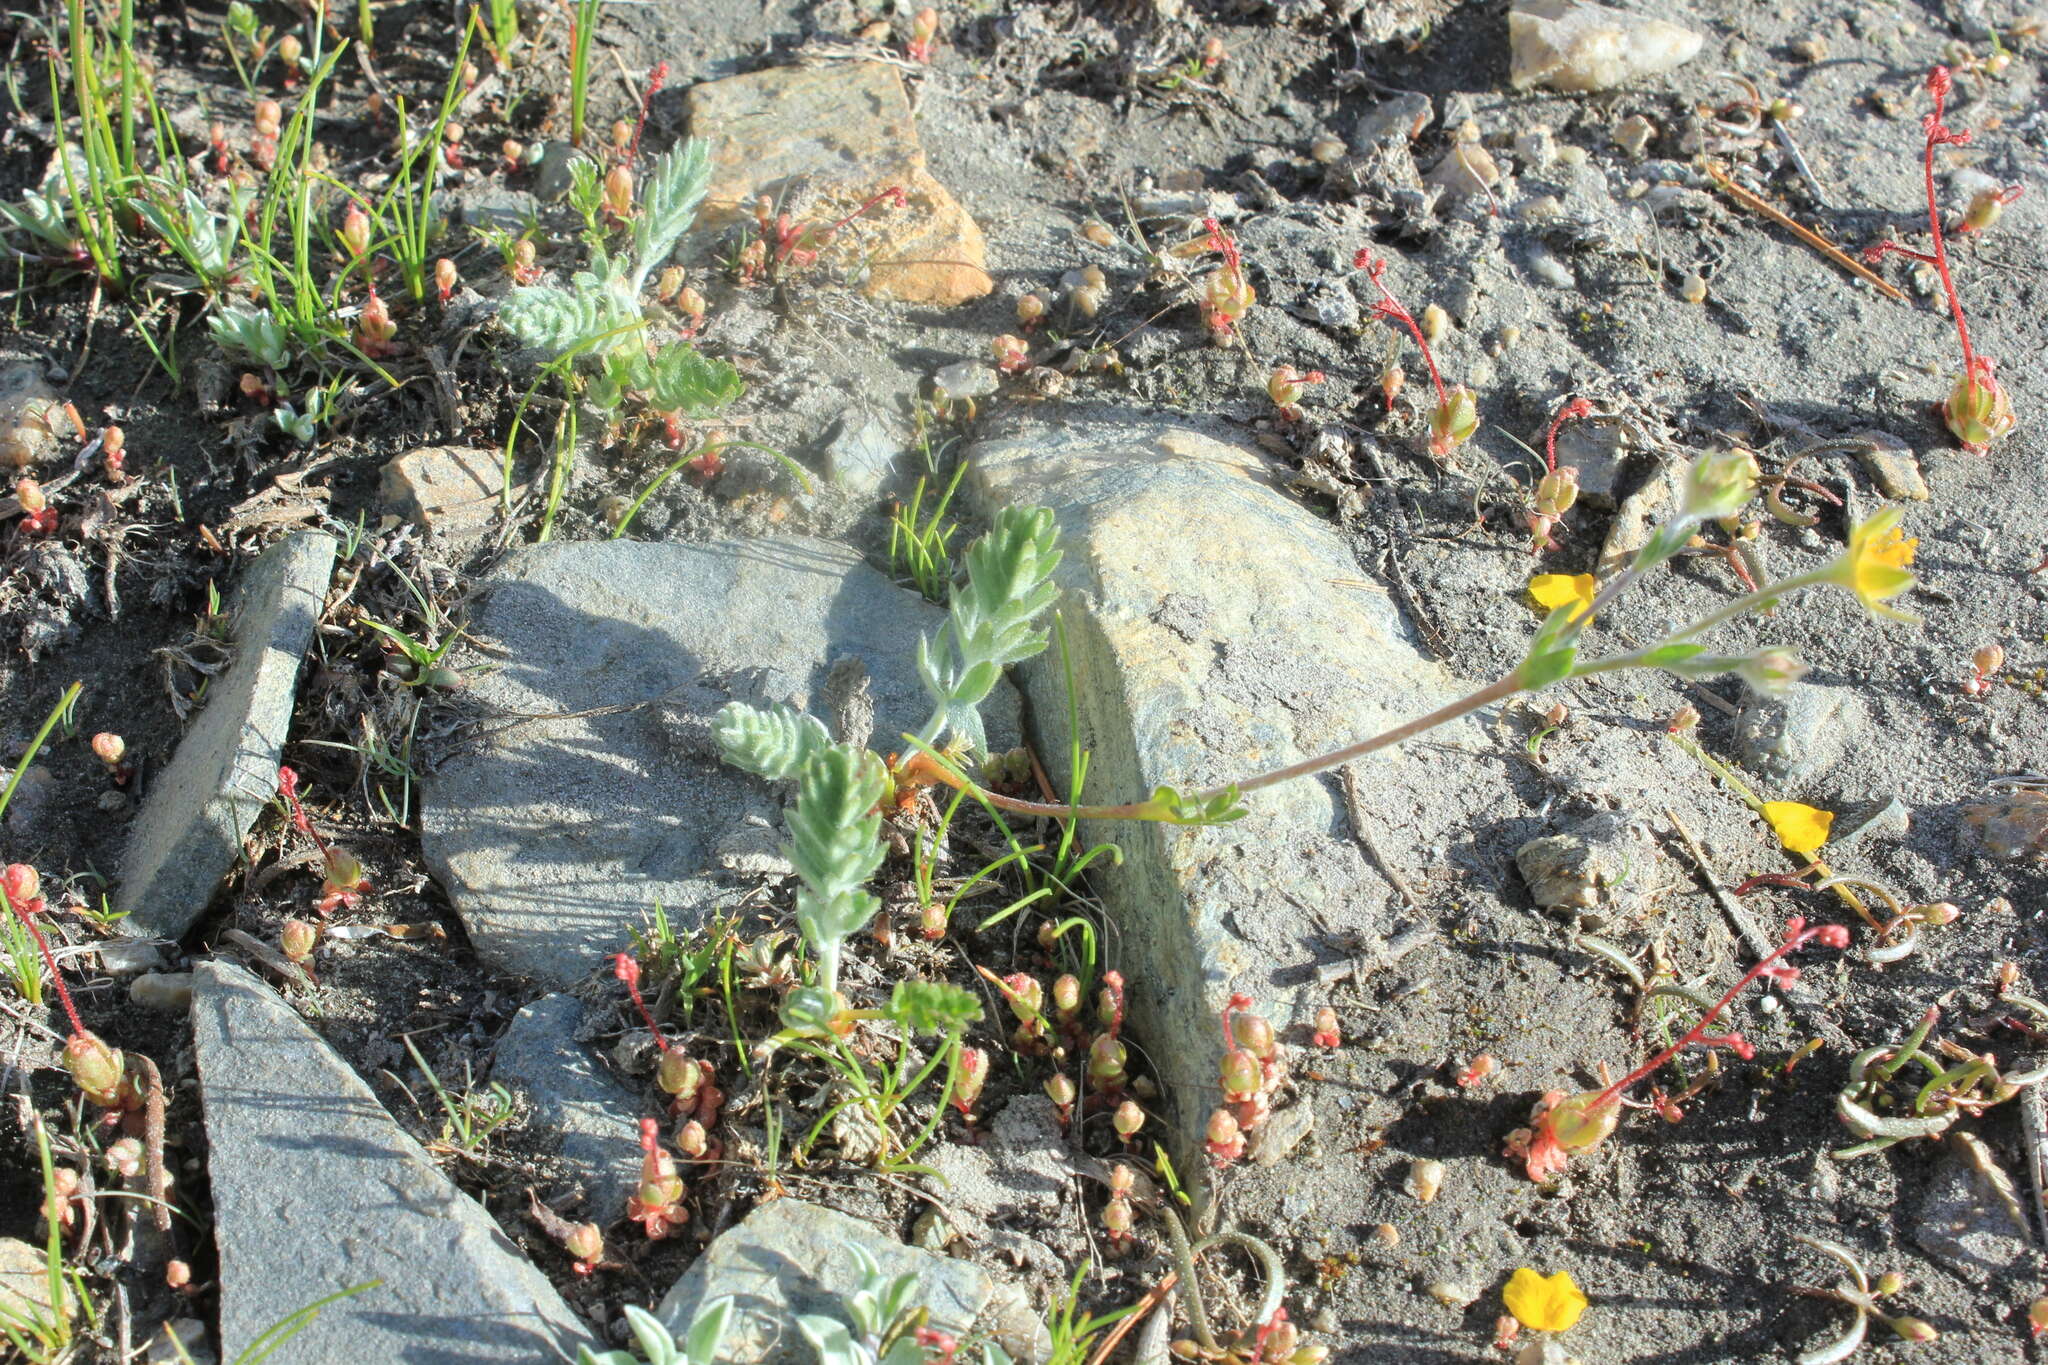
pixel 1544 1303
pixel 1874 568
pixel 1802 829
pixel 1554 590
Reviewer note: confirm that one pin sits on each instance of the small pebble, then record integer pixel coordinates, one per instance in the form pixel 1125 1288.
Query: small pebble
pixel 1537 147
pixel 1546 268
pixel 1572 156
pixel 1326 150
pixel 170 992
pixel 1387 1235
pixel 1633 134
pixel 1510 336
pixel 1451 1294
pixel 1693 289
pixel 1425 1179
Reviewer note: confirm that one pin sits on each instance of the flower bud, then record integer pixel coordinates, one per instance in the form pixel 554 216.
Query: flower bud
pixel 678 1075
pixel 1060 1089
pixel 1912 1329
pixel 1392 380
pixel 444 278
pixel 690 303
pixel 691 1140
pixel 1241 1074
pixel 585 1242
pixel 344 869
pixel 297 939
pixel 1212 53
pixel 1254 1034
pixel 269 118
pixel 1557 491
pixel 618 191
pixel 29 494
pixel 524 264
pixel 177 1274
pixel 1129 1119
pixel 1686 718
pixel 1987 660
pixel 1326 1031
pixel 22 884
pixel 622 134
pixel 1030 311
pixel 95 1068
pixel 355 231
pixel 973 1073
pixel 1026 996
pixel 1066 997
pixel 1938 913
pixel 1772 671
pixel 1891 1282
pixel 1118 1218
pixel 290 49
pixel 1718 484
pixel 1452 421
pixel 1986 207
pixel 1978 411
pixel 669 283
pixel 1107 1059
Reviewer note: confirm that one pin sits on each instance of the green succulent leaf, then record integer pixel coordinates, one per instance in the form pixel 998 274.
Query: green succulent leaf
pixel 774 743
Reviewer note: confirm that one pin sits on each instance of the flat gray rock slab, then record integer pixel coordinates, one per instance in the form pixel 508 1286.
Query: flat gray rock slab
pixel 556 837
pixel 189 832
pixel 573 1096
pixel 316 1188
pixel 1217 628
pixel 788 1258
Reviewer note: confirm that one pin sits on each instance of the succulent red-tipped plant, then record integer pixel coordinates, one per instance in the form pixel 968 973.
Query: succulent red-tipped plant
pixel 1327 1034
pixel 1227 295
pixel 657 1204
pixel 1977 410
pixel 1562 1125
pixel 1286 385
pixel 973 1075
pixel 1456 415
pixel 344 880
pixel 924 32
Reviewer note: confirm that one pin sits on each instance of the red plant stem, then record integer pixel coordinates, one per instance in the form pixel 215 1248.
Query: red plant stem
pixel 288 785
pixel 1577 407
pixel 894 194
pixel 1798 938
pixel 56 977
pixel 628 971
pixel 655 80
pixel 1937 134
pixel 1390 307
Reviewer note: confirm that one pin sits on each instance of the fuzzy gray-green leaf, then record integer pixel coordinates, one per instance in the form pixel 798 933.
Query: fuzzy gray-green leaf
pixel 675 185
pixel 774 743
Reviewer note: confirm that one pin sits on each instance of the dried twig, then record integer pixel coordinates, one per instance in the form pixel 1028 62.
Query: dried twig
pixel 1361 825
pixel 1153 1298
pixel 1750 200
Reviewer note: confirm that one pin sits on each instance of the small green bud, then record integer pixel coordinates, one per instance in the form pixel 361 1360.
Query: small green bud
pixel 1977 410
pixel 1718 484
pixel 1452 421
pixel 1771 671
pixel 96 1068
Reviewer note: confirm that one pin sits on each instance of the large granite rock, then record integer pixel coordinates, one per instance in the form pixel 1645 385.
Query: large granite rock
pixel 788 1259
pixel 316 1189
pixel 189 831
pixel 555 837
pixel 1212 636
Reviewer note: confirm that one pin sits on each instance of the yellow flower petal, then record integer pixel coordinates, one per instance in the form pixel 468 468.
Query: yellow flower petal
pixel 1543 1303
pixel 1554 590
pixel 1802 829
pixel 1875 565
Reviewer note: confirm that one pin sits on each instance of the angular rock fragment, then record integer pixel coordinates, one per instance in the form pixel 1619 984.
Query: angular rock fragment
pixel 1576 46
pixel 190 828
pixel 841 133
pixel 788 1259
pixel 450 491
pixel 1600 866
pixel 574 1101
pixel 1210 638
pixel 554 837
pixel 316 1189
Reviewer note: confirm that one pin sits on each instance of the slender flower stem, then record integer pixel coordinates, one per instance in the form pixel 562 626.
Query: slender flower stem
pixel 1797 939
pixel 1937 134
pixel 56 977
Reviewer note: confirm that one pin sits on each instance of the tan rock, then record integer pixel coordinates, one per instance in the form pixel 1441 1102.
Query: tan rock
pixel 451 491
pixel 822 141
pixel 1577 46
pixel 25 1278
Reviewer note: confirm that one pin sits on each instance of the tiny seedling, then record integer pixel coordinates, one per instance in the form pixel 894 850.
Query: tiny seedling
pixel 919 544
pixel 1859 1294
pixel 472 1116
